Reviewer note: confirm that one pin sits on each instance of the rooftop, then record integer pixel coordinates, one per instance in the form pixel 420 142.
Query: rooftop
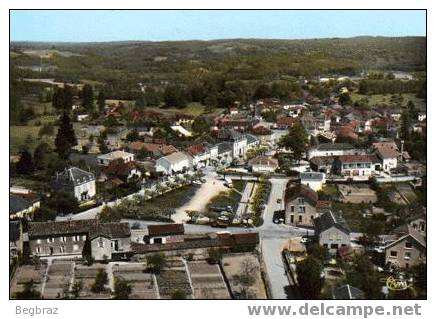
pixel 328 220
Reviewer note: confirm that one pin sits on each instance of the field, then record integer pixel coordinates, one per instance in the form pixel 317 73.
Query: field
pixel 385 100
pixel 193 109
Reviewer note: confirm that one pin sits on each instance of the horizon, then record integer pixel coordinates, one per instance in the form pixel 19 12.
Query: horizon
pixel 73 26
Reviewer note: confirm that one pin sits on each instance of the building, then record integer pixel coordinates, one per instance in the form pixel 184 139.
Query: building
pixel 302 206
pixel 108 158
pixel 322 164
pixel 332 231
pixel 122 171
pixel 22 205
pixel 388 158
pixel 76 181
pixel 79 238
pixel 164 234
pixel 332 149
pixel 408 250
pixel 314 180
pixel 152 150
pixel 263 164
pixel 174 163
pixel 346 292
pixel 356 165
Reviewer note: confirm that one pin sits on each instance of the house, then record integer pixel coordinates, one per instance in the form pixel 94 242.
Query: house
pixel 388 155
pixel 78 238
pixel 153 150
pixel 346 292
pixel 263 164
pixel 163 234
pixel 108 158
pixel 76 181
pixel 332 149
pixel 408 250
pixel 124 171
pixel 314 180
pixel 322 164
pixel 285 122
pixel 15 238
pixel 332 231
pixel 174 163
pixel 200 154
pixel 302 206
pixel 22 205
pixel 356 165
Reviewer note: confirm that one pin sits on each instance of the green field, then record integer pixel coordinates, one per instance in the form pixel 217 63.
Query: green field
pixel 193 109
pixel 385 100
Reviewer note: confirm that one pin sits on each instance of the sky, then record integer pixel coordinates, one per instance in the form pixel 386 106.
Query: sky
pixel 160 25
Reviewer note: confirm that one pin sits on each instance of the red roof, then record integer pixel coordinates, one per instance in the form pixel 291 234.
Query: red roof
pixel 357 158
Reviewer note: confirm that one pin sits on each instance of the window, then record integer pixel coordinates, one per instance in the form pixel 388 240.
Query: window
pixel 50 240
pixel 62 249
pixel 292 219
pixel 38 250
pixel 408 245
pixel 292 208
pixel 325 245
pixel 302 209
pixel 76 238
pixel 63 239
pixel 393 253
pixel 407 255
pixel 100 243
pixel 300 200
pixel 84 237
pixel 334 246
pixel 300 218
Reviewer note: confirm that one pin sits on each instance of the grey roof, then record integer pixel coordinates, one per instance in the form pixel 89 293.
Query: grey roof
pixel 328 220
pixel 251 139
pixel 348 292
pixel 334 146
pixel 18 203
pixel 225 147
pixel 74 176
pixel 311 176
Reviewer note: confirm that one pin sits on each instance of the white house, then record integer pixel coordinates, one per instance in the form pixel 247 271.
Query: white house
pixel 106 159
pixel 76 181
pixel 332 231
pixel 388 157
pixel 263 164
pixel 314 180
pixel 175 162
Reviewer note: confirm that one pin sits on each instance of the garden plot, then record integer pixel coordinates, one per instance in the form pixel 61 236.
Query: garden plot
pixel 207 281
pixel 233 266
pixel 174 278
pixel 142 283
pixel 25 274
pixel 59 276
pixel 87 274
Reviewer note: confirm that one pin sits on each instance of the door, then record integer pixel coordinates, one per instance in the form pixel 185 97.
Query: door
pixel 51 250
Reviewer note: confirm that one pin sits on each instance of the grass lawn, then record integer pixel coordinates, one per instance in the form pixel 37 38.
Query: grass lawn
pixel 352 214
pixel 380 100
pixel 193 109
pixel 173 199
pixel 228 198
pixel 23 135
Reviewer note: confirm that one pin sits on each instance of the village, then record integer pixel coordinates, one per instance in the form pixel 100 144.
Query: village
pixel 280 196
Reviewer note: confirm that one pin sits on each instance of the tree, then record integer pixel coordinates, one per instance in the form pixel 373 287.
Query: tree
pixel 65 138
pixel 246 277
pixel 109 215
pixel 215 255
pixel 178 294
pixel 345 99
pixel 100 281
pixel 296 140
pixel 309 278
pixel 156 262
pixel 41 156
pixel 63 203
pixel 88 97
pixel 28 292
pixel 318 251
pixel 76 289
pixel 363 276
pixel 201 125
pixel 101 101
pixel 405 125
pixel 122 289
pixel 25 163
pixel 132 135
pixel 175 96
